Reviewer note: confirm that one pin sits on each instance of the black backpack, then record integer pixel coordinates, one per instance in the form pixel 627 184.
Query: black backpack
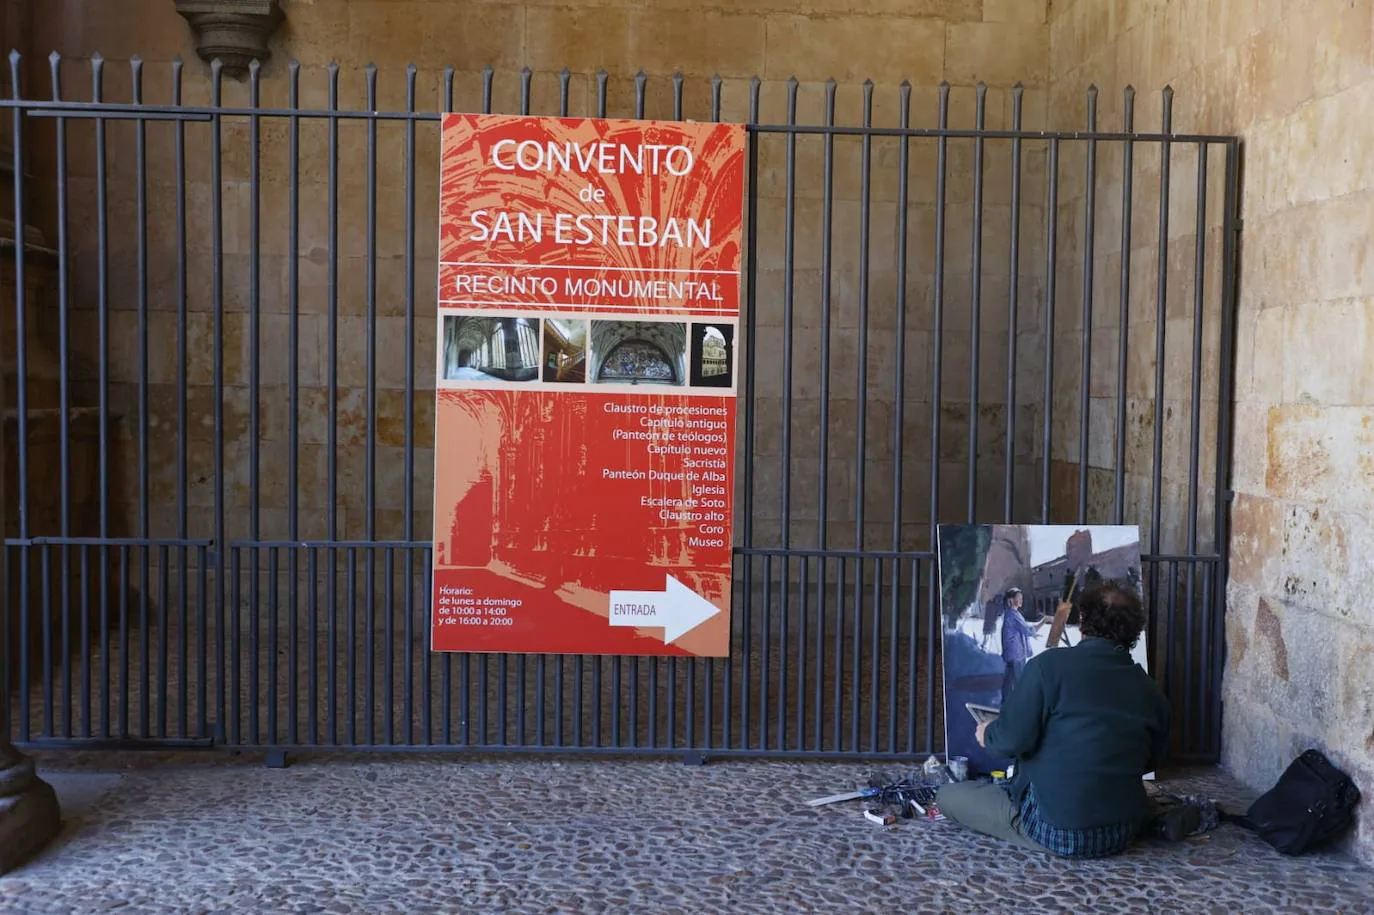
pixel 1313 803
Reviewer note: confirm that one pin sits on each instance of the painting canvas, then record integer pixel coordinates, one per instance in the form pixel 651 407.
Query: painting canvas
pixel 979 565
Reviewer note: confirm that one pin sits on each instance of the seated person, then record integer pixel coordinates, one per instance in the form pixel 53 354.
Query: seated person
pixel 1084 725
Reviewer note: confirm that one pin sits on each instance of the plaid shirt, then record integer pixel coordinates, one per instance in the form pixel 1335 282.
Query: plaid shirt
pixel 1092 842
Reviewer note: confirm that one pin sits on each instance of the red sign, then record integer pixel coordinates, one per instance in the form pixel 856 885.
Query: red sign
pixel 585 407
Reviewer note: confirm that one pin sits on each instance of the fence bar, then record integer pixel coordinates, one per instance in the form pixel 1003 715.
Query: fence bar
pixel 217 297
pixel 1051 257
pixel 164 679
pixel 1171 642
pixel 1161 320
pixel 202 590
pixel 141 256
pixel 332 446
pixel 21 404
pixel 936 387
pixel 272 733
pixel 522 662
pixel 976 302
pixel 312 723
pixel 255 381
pixel 1195 425
pixel 1226 381
pixel 765 659
pixel 103 335
pixel 235 734
pixel 409 444
pixel 447 675
pixel 899 407
pixel 789 336
pixel 116 110
pixel 710 698
pixel 87 719
pixel 370 459
pixel 1124 315
pixel 389 663
pixel 183 415
pixel 351 570
pixel 823 514
pixel 1013 319
pixel 293 281
pixel 1089 243
pixel 751 405
pixel 913 650
pixel 837 716
pixel 64 385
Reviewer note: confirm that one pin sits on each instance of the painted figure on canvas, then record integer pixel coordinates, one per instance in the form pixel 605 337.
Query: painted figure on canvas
pixel 1006 596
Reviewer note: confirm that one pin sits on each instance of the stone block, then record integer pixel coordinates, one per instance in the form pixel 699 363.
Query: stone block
pixel 1318 455
pixel 894 49
pixel 1294 654
pixel 582 39
pixel 1263 377
pixel 1257 543
pixel 1356 676
pixel 1342 46
pixel 1322 363
pixel 1250 453
pixel 1024 12
pixel 699 43
pixel 465 36
pixel 1323 563
pixel 1254 740
pixel 997 53
pixel 1330 146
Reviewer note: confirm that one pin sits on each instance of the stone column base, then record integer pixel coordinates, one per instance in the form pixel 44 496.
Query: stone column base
pixel 29 814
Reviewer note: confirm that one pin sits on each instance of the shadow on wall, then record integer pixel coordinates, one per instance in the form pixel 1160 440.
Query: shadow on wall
pixel 61 596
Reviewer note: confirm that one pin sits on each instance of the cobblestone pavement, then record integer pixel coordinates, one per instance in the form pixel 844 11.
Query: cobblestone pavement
pixel 218 833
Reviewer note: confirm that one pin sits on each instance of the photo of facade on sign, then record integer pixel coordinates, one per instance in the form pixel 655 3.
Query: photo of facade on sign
pixel 713 355
pixel 1000 586
pixel 584 436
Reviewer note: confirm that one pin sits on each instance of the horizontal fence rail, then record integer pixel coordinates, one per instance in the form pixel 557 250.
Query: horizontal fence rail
pixel 223 401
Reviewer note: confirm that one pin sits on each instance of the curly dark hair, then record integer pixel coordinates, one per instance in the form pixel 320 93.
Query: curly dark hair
pixel 1111 612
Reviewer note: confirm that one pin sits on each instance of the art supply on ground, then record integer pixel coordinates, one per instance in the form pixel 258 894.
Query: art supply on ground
pixel 958 768
pixel 890 799
pixel 999 777
pixel 846 796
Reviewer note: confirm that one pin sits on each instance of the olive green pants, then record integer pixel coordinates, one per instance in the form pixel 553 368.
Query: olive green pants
pixel 986 808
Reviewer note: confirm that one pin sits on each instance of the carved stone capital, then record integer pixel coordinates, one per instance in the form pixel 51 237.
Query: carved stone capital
pixel 233 31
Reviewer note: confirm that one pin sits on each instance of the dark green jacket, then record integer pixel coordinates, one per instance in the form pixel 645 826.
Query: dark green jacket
pixel 1083 724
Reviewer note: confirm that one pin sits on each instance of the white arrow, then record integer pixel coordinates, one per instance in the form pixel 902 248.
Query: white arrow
pixel 678 609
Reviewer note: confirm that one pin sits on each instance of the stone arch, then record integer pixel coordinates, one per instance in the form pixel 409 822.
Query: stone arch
pixel 667 339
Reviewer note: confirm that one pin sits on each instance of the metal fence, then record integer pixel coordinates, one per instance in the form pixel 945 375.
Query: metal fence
pixel 237 305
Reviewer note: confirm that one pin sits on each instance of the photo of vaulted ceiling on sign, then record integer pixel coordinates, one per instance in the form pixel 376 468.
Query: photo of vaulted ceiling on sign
pixel 481 348
pixel 639 352
pixel 565 351
pixel 713 355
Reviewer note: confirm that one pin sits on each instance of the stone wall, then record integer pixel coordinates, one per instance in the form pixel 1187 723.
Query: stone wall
pixel 1296 81
pixel 963 41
